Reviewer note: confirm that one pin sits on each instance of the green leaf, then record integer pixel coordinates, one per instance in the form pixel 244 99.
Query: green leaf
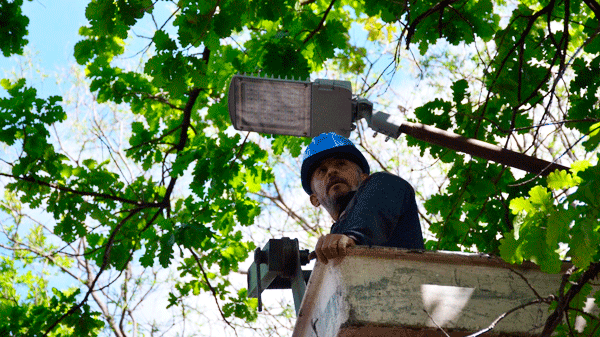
pixel 476 201
pixel 520 204
pixel 593 137
pixel 579 166
pixel 459 89
pixel 166 249
pixel 509 249
pixel 585 240
pixel 13 28
pixel 539 196
pixel 282 59
pixel 435 113
pixel 534 248
pixel 558 227
pixel 163 41
pixel 561 179
pixel 84 51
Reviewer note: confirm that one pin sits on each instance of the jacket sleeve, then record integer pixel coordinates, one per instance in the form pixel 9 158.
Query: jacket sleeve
pixel 383 213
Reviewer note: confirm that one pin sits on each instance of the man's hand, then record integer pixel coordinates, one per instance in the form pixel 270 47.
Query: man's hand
pixel 332 246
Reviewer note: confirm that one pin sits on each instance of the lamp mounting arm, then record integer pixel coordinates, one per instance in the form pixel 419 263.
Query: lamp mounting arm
pixel 393 126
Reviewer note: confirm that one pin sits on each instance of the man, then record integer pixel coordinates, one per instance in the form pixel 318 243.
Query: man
pixel 378 209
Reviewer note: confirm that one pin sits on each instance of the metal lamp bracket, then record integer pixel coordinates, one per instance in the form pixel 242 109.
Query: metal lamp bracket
pixel 278 266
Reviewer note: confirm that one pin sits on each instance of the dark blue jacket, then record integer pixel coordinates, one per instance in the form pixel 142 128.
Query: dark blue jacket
pixel 383 212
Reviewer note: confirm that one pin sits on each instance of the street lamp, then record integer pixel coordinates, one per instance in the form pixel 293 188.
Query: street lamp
pixel 290 107
pixel 307 109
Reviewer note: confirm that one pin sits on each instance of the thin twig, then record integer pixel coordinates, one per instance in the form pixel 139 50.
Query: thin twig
pixel 554 161
pixel 501 317
pixel 585 313
pixel 156 139
pixel 214 292
pixel 526 281
pixel 434 322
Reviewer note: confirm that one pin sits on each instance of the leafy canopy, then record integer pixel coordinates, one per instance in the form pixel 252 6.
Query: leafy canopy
pixel 187 70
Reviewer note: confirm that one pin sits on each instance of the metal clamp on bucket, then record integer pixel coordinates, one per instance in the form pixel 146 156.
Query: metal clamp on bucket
pixel 277 266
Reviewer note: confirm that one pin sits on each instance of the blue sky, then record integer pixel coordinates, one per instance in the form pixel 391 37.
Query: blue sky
pixel 53 31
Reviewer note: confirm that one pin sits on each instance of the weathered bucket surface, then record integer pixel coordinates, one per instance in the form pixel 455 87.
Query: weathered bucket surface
pixel 393 292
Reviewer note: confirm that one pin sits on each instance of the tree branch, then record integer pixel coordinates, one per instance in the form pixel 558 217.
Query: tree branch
pixel 585 313
pixel 109 318
pixel 214 292
pixel 501 317
pixel 156 140
pixel 561 68
pixel 563 302
pixel 594 6
pixel 105 259
pixel 124 297
pixel 281 204
pixel 41 254
pixel 82 193
pixel 187 113
pixel 161 99
pixel 320 25
pixel 521 41
pixel 183 137
pixel 411 29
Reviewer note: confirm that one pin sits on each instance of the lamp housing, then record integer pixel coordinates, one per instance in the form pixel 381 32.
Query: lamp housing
pixel 290 107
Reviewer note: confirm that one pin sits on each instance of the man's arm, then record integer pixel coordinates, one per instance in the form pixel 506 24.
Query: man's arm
pixel 332 246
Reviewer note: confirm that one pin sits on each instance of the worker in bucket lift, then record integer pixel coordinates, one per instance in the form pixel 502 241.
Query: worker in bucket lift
pixel 377 209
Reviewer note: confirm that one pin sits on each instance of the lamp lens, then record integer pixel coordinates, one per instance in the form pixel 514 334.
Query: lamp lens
pixel 274 106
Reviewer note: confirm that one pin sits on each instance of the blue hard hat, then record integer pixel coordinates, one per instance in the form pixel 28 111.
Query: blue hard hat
pixel 329 145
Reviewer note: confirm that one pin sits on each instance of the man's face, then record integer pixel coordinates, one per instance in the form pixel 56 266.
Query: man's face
pixel 333 179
